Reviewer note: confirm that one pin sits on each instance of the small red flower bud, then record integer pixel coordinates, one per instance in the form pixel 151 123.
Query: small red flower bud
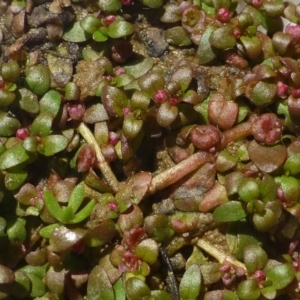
pixel 113 206
pixel 110 19
pixel 113 138
pixel 1 84
pixel 22 133
pixel 119 70
pixel 126 111
pixel 160 96
pixel 174 101
pixel 127 2
pixel 295 93
pixel 282 89
pixel 237 32
pixel 76 111
pixel 256 3
pixel 259 275
pixel 86 158
pixel 109 78
pixel 293 30
pixel 296 265
pixel 224 14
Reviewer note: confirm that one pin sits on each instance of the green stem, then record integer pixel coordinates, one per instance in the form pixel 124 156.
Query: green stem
pixel 219 255
pixel 102 164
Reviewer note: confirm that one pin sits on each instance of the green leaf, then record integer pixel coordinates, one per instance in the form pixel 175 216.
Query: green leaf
pixel 119 290
pixel 14 178
pixel 8 124
pixel 255 258
pixel 90 23
pixel 110 5
pixel 230 212
pixel 292 164
pixel 13 156
pixel 52 144
pixel 67 215
pixel 76 198
pixel 120 29
pixel 190 283
pixel 147 250
pixel 41 125
pixel 281 275
pixel 99 286
pixel 52 205
pixel 50 103
pixel 100 36
pixel 205 53
pixel 38 288
pixel 248 290
pixel 131 126
pixel 76 34
pixel 263 93
pixel 222 38
pixel 137 288
pixel 46 231
pixel 141 68
pixel 152 3
pixel 84 213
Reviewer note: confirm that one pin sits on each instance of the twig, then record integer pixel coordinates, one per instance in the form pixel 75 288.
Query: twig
pixel 102 164
pixel 172 283
pixel 175 173
pixel 220 256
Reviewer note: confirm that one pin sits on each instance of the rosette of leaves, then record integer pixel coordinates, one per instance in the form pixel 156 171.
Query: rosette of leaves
pixel 68 214
pixel 258 198
pixel 91 27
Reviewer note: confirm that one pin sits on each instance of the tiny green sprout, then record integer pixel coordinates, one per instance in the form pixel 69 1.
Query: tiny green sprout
pixel 68 214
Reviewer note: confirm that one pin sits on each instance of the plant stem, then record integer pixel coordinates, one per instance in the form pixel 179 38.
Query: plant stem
pixel 175 173
pixel 220 256
pixel 101 162
pixel 239 131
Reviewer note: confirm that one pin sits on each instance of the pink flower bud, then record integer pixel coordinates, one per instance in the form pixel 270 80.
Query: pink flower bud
pixel 113 138
pixel 160 96
pixel 282 89
pixel 224 14
pixel 76 111
pixel 22 133
pixel 295 93
pixel 110 19
pixel 259 275
pixel 127 2
pixel 293 30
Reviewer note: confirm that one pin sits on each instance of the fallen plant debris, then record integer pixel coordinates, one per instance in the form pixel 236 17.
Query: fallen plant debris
pixel 149 149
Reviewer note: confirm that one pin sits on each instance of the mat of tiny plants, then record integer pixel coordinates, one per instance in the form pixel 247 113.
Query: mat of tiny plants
pixel 149 149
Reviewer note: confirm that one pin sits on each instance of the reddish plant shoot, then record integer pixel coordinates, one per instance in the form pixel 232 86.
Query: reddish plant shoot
pixel 86 158
pixel 133 237
pixel 205 137
pixel 267 129
pixel 129 262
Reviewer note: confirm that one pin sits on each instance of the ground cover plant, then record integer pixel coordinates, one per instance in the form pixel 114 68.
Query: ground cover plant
pixel 149 149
